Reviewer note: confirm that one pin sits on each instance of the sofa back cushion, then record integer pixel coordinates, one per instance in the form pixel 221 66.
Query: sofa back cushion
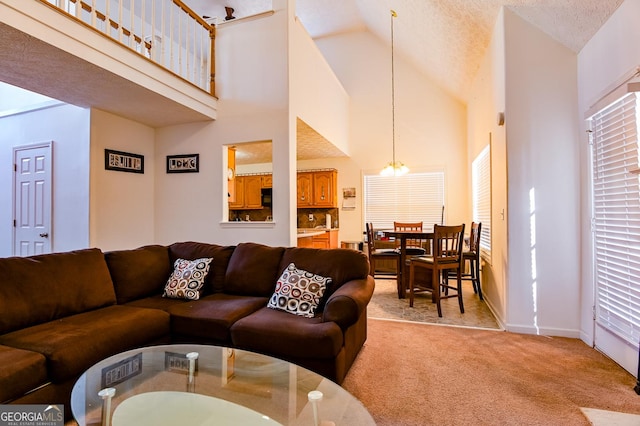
pixel 341 265
pixel 38 289
pixel 215 281
pixel 253 270
pixel 138 273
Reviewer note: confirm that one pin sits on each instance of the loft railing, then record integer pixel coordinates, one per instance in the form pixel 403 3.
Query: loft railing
pixel 165 31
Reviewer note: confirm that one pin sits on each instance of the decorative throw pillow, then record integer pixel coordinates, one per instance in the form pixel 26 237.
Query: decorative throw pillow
pixel 187 278
pixel 298 291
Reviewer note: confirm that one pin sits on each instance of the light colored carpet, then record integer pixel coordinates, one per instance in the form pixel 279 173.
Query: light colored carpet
pixel 422 374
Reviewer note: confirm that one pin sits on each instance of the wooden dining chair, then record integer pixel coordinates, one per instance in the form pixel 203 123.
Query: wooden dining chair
pixel 472 255
pixel 415 246
pixel 446 256
pixel 378 253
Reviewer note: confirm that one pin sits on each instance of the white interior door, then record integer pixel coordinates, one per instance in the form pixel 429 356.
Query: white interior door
pixel 32 199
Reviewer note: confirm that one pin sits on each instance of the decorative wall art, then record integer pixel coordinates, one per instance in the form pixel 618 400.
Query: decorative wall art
pixel 123 161
pixel 185 163
pixel 348 198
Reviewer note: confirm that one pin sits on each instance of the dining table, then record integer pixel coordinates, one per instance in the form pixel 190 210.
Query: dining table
pixel 403 236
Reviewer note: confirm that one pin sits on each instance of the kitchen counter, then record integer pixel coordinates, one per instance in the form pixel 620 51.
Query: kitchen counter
pixel 311 232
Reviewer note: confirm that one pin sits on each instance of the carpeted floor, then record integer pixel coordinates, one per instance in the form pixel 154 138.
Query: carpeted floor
pixel 421 374
pixel 386 304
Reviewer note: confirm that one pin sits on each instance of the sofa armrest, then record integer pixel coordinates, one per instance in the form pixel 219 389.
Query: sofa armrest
pixel 348 302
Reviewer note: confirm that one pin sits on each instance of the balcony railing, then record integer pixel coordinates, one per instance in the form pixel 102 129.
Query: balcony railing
pixel 165 31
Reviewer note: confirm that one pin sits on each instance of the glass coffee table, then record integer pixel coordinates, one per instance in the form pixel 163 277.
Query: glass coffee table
pixel 209 385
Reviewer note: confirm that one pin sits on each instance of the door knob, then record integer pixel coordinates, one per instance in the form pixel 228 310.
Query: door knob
pixel 44 235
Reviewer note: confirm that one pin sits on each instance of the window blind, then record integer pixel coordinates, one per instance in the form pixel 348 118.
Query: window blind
pixel 412 197
pixel 616 217
pixel 481 198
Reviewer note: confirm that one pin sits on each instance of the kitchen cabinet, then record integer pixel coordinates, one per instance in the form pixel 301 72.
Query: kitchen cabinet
pixel 252 192
pixel 236 200
pixel 317 189
pixel 325 189
pixel 267 181
pixel 319 239
pixel 327 240
pixel 248 194
pixel 305 241
pixel 304 189
pixel 231 171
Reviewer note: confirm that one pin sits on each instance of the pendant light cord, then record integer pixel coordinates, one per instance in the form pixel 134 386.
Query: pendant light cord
pixel 393 97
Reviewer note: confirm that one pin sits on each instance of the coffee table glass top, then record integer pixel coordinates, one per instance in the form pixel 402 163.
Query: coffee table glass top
pixel 207 385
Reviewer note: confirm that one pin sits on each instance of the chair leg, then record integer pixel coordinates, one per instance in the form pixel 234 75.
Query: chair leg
pixel 476 277
pixel 435 284
pixel 411 275
pixel 459 278
pixel 472 275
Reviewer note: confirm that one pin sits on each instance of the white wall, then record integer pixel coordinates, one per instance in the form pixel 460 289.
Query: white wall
pixel 252 87
pixel 316 95
pixel 486 100
pixel 122 203
pixel 68 127
pixel 430 124
pixel 542 148
pixel 610 55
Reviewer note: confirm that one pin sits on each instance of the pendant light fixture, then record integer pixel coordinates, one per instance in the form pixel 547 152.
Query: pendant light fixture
pixel 394 168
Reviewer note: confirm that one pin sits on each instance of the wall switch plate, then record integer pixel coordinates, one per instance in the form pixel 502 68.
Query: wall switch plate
pixel 311 216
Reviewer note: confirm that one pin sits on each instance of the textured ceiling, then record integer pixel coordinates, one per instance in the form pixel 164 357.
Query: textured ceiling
pixel 446 39
pixel 310 145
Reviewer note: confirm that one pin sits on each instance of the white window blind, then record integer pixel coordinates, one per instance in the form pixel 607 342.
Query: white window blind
pixel 616 217
pixel 412 197
pixel 481 198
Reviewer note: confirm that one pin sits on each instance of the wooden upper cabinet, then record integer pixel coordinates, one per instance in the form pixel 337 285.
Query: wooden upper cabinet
pixel 267 181
pixel 325 189
pixel 231 170
pixel 305 189
pixel 248 193
pixel 252 192
pixel 237 202
pixel 318 189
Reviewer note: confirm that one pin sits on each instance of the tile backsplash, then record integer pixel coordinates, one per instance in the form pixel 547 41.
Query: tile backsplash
pixel 319 218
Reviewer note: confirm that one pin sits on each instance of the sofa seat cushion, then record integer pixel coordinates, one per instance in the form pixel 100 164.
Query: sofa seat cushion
pixel 75 343
pixel 20 372
pixel 211 317
pixel 138 273
pixel 284 335
pixel 156 302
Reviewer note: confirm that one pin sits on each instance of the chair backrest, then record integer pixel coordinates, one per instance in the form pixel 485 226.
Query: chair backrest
pixel 447 244
pixel 370 238
pixel 474 237
pixel 409 226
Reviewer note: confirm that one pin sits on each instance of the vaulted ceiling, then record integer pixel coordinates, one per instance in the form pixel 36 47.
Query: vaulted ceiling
pixel 446 39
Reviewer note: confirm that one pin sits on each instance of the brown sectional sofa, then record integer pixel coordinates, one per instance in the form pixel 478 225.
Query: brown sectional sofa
pixel 61 313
